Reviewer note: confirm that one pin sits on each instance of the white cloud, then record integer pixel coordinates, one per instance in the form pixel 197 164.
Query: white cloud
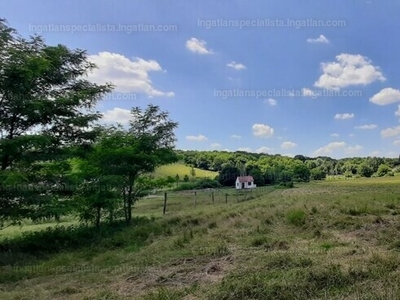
pixel 397 142
pixel 319 40
pixel 386 96
pixel 328 149
pixel 335 135
pixel 353 150
pixel 271 101
pixel 216 145
pixel 262 130
pixel 245 149
pixel 198 138
pixel 198 46
pixel 367 126
pixel 344 116
pixel 117 115
pixel 263 149
pixel 351 135
pixel 374 153
pixel 347 70
pixel 128 76
pixel 306 92
pixel 236 66
pixel 235 136
pixel 397 112
pixel 389 132
pixel 288 145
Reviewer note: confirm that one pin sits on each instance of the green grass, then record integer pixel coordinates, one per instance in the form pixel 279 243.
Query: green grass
pixel 182 170
pixel 335 239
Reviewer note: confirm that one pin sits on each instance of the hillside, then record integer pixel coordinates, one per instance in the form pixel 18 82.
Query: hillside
pixel 320 240
pixel 181 169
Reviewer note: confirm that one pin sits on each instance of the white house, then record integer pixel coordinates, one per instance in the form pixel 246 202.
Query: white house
pixel 245 182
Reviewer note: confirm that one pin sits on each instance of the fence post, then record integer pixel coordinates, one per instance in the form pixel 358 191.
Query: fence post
pixel 226 198
pixel 212 196
pixel 195 198
pixel 165 203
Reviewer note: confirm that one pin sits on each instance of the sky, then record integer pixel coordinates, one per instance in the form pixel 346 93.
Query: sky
pixel 317 78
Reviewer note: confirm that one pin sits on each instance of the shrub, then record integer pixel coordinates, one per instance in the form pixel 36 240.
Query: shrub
pixel 296 217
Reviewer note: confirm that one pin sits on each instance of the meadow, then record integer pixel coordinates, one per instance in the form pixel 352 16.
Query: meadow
pixel 333 239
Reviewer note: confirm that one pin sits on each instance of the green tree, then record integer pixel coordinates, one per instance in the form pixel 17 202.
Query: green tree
pixel 46 108
pixel 186 178
pixel 365 170
pixel 383 169
pixel 132 154
pixel 192 172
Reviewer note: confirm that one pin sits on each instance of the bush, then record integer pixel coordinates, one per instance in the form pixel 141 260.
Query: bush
pixel 296 217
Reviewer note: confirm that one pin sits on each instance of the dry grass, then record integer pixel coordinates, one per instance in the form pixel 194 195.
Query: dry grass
pixel 325 240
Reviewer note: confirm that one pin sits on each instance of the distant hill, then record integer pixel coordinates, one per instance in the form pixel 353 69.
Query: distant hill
pixel 181 169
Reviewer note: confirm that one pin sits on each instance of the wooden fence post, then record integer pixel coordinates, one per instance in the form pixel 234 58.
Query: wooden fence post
pixel 165 203
pixel 195 198
pixel 212 196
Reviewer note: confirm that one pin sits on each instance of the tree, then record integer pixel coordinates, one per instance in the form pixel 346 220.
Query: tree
pixel 365 170
pixel 186 178
pixel 193 172
pixel 46 109
pixel 383 169
pixel 177 179
pixel 131 154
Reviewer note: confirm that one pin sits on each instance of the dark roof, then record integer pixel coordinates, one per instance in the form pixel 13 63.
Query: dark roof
pixel 245 179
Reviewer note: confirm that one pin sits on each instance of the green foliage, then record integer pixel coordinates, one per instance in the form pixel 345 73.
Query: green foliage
pixel 296 217
pixel 46 107
pixel 383 169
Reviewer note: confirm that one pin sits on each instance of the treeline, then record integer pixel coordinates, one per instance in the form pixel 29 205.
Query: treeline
pixel 274 169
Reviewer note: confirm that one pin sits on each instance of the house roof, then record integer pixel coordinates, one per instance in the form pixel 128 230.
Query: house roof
pixel 245 179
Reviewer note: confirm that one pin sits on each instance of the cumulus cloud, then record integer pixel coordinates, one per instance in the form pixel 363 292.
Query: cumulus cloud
pixel 117 115
pixel 335 135
pixel 271 101
pixel 390 132
pixel 348 70
pixel 236 66
pixel 235 136
pixel 128 76
pixel 397 112
pixel 198 46
pixel 263 149
pixel 288 145
pixel 306 92
pixel 367 126
pixel 344 116
pixel 262 130
pixel 353 150
pixel 245 149
pixel 216 145
pixel 386 96
pixel 196 138
pixel 319 40
pixel 328 149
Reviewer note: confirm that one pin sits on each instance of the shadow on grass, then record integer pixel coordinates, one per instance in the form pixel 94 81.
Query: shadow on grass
pixel 28 247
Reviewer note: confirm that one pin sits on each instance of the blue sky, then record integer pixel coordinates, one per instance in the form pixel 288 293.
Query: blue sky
pixel 292 77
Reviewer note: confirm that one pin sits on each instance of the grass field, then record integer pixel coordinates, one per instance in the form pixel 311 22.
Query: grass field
pixel 322 240
pixel 182 170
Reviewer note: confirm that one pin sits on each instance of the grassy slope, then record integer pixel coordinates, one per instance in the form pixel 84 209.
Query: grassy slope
pixel 182 170
pixel 325 240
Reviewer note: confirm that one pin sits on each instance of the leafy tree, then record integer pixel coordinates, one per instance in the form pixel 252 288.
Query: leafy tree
pixel 131 154
pixel 383 169
pixel 317 173
pixel 46 108
pixel 186 178
pixel 365 170
pixel 192 172
pixel 228 175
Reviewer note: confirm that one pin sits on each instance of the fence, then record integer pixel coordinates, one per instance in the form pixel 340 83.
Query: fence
pixel 177 201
